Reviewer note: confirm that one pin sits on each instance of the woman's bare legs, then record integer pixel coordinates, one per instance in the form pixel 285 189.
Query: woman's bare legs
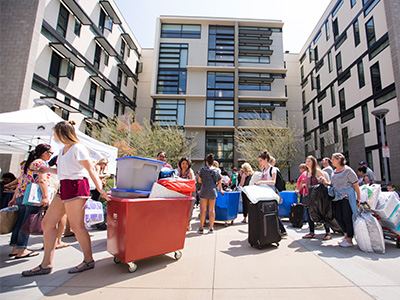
pixel 76 214
pixel 211 211
pixel 60 230
pixel 203 211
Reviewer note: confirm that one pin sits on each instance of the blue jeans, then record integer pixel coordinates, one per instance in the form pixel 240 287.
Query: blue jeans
pixel 19 239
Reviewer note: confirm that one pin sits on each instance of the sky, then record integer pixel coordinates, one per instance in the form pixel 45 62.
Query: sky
pixel 299 16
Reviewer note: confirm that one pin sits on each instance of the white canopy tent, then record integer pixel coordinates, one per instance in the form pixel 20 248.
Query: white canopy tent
pixel 21 131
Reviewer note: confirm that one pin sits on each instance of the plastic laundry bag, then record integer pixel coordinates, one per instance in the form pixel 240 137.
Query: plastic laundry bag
pixel 368 232
pixel 370 194
pixel 257 193
pixel 93 212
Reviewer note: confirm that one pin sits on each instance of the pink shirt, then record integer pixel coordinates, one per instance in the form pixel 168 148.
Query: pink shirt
pixel 303 176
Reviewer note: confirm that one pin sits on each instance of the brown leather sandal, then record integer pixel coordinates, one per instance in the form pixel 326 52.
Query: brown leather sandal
pixel 309 236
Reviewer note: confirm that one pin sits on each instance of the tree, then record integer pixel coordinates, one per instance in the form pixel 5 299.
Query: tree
pixel 146 140
pixel 282 140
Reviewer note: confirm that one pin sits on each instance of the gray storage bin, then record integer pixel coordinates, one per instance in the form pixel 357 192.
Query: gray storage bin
pixel 137 173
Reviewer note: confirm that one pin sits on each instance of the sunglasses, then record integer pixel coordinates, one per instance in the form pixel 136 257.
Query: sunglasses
pixel 49 152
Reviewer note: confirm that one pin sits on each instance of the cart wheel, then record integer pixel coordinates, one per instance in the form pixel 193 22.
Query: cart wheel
pixel 117 260
pixel 132 267
pixel 178 255
pixel 398 243
pixel 226 224
pixel 232 222
pixel 277 244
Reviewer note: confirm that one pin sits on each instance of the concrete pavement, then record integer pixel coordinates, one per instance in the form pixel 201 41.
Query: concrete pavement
pixel 216 266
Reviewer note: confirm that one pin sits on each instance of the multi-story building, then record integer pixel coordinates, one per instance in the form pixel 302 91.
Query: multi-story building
pixel 349 68
pixel 78 57
pixel 209 75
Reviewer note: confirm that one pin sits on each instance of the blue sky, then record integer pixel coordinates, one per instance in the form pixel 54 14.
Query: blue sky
pixel 299 16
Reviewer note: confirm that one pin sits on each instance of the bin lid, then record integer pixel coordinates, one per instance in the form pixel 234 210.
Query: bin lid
pixel 131 191
pixel 141 158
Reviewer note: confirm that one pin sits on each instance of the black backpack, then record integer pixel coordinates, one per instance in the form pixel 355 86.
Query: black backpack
pixel 280 183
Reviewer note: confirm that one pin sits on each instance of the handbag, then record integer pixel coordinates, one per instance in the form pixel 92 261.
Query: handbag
pixel 94 213
pixel 8 217
pixel 33 224
pixel 33 194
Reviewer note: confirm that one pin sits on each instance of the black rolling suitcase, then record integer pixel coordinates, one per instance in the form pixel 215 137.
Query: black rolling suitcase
pixel 263 223
pixel 296 215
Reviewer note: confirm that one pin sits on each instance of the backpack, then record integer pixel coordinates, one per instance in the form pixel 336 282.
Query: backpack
pixel 280 183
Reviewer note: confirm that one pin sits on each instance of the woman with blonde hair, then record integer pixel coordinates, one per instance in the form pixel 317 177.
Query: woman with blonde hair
pixel 74 167
pixel 244 180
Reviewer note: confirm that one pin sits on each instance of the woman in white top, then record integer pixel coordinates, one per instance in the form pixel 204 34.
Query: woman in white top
pixel 73 168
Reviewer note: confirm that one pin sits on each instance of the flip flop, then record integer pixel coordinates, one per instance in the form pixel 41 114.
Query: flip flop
pixel 41 271
pixel 12 254
pixel 63 245
pixel 30 254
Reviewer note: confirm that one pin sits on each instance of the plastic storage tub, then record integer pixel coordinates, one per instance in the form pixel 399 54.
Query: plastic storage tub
pixel 288 197
pixel 129 194
pixel 226 207
pixel 137 173
pixel 146 227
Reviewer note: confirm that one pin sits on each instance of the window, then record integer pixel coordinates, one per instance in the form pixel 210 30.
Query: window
pixel 172 69
pixel 385 98
pixel 77 28
pixel 220 99
pixel 327 32
pixel 376 78
pixel 340 41
pixel 365 118
pixel 134 94
pixel 54 73
pixel 249 110
pixel 220 144
pixel 106 58
pixel 335 131
pixel 119 79
pixel 305 124
pixel 339 63
pixel 356 30
pixel 315 140
pixel 316 53
pixel 345 141
pixel 302 72
pixel 187 31
pixel 379 49
pixel 92 94
pixel 370 7
pixel 317 36
pixel 303 98
pixel 105 21
pixel 322 144
pixel 62 22
pixel 352 3
pixel 333 97
pixel 102 94
pixel 116 108
pixel 65 113
pixel 335 28
pixel 314 115
pixel 361 79
pixel 256 81
pixel 97 57
pixel 122 51
pixel 370 30
pixel 343 77
pixel 169 112
pixel 342 101
pixel 126 80
pixel 330 64
pixel 320 116
pixel 336 9
pixel 128 51
pixel 254 59
pixel 221 46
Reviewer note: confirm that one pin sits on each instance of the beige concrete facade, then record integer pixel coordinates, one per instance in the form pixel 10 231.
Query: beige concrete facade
pixel 377 51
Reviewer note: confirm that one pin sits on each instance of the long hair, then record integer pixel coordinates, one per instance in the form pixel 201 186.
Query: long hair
pixel 210 159
pixel 247 169
pixel 185 159
pixel 313 165
pixel 65 132
pixel 35 154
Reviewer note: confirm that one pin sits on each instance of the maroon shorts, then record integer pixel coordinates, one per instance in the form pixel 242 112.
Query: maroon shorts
pixel 72 189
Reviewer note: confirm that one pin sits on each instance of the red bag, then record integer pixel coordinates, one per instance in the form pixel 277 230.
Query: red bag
pixel 183 186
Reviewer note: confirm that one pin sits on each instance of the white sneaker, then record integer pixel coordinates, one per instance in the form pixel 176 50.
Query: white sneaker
pixel 346 244
pixel 342 240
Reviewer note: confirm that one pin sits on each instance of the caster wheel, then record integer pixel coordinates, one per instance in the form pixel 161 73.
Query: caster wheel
pixel 178 255
pixel 132 267
pixel 398 243
pixel 117 260
pixel 277 244
pixel 226 224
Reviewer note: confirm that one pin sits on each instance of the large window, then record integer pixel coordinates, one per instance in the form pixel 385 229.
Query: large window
pixel 119 79
pixel 116 108
pixel 122 50
pixel 221 46
pixel 370 31
pixel 221 145
pixel 335 28
pixel 54 73
pixel 365 118
pixel 330 64
pixel 356 30
pixel 62 21
pixel 361 78
pixel 333 96
pixel 257 81
pixel 342 100
pixel 92 94
pixel 327 32
pixel 353 2
pixel 187 31
pixel 345 141
pixel 169 112
pixel 220 99
pixel 339 63
pixel 97 57
pixel 335 131
pixel 254 44
pixel 172 69
pixel 105 21
pixel 376 78
pixel 249 110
